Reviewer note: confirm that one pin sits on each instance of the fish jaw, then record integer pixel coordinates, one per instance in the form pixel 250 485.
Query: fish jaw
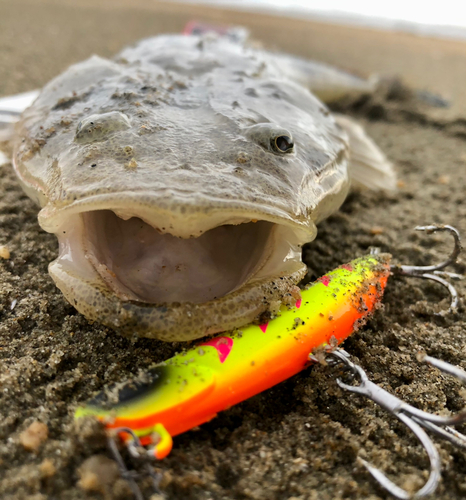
pixel 141 281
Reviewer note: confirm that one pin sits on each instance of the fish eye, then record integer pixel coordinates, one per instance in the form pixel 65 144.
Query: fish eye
pixel 98 127
pixel 283 144
pixel 272 138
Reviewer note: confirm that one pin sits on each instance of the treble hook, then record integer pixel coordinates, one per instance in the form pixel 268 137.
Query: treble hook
pixel 136 450
pixel 412 417
pixel 435 272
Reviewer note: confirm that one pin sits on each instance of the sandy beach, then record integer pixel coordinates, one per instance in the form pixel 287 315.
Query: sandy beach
pixel 301 439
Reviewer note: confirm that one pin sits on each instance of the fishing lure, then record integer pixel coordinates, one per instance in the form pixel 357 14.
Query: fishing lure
pixel 192 387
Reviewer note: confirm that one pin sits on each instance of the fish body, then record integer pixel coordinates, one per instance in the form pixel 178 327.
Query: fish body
pixel 181 179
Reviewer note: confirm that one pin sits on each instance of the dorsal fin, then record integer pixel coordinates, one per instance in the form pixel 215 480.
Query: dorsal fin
pixel 326 82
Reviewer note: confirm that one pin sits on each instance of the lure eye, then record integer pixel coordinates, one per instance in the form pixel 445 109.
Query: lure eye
pixel 283 144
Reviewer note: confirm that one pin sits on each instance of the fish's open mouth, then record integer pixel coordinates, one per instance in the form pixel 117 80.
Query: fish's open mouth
pixel 139 262
pixel 149 276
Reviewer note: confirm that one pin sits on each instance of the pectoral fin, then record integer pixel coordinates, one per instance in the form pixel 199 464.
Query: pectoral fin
pixel 11 108
pixel 369 167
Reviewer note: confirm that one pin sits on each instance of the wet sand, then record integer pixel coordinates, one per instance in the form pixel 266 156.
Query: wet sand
pixel 301 439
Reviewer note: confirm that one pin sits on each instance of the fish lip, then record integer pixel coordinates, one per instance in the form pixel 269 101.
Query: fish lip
pixel 177 322
pixel 177 219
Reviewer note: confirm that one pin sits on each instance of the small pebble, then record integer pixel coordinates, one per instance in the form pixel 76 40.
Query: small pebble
pixel 444 179
pixel 4 252
pixel 89 481
pixel 131 164
pixel 377 230
pixel 33 437
pixel 98 473
pixel 47 469
pixel 243 158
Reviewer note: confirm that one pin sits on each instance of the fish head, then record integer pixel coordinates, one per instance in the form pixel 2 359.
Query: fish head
pixel 181 180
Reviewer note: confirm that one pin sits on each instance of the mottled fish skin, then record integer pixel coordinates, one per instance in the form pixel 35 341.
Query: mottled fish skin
pixel 179 131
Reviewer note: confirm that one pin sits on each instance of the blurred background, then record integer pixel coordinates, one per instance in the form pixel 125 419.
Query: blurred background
pixel 445 20
pixel 424 45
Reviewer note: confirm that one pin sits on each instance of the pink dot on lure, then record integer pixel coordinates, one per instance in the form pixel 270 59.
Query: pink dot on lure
pixel 263 327
pixel 224 345
pixel 348 267
pixel 325 280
